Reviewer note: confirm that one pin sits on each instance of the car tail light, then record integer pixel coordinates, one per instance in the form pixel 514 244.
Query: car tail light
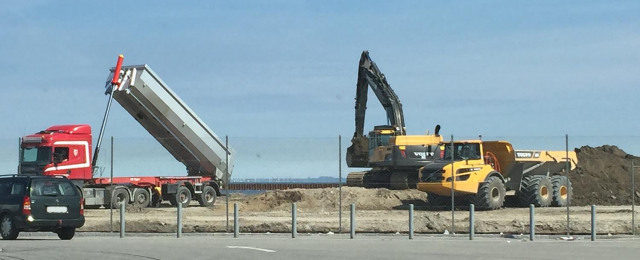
pixel 82 206
pixel 26 206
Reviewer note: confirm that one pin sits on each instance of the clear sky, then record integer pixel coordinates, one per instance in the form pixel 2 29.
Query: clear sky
pixel 253 70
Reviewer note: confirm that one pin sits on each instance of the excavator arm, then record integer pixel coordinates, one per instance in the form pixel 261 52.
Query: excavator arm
pixel 370 76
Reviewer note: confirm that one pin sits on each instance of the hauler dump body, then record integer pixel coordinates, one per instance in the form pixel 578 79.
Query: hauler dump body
pixel 66 149
pixel 393 156
pixel 486 172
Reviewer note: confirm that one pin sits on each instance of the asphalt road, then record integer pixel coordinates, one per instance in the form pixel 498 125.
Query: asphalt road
pixel 279 246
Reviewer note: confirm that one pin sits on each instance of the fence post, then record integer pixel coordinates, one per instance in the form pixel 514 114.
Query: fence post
pixel 471 222
pixel 179 224
pixel 236 227
pixel 111 188
pixel 532 222
pixel 569 190
pixel 410 221
pixel 340 183
pixel 593 222
pixel 294 229
pixel 226 181
pixel 353 220
pixel 122 226
pixel 633 199
pixel 453 194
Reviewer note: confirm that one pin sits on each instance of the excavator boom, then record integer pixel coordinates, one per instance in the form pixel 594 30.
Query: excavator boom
pixel 370 76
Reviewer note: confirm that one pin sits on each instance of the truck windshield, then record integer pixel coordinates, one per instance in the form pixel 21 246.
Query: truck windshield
pixel 36 155
pixel 461 151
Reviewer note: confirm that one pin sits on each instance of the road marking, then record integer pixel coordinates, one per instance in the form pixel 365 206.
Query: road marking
pixel 252 248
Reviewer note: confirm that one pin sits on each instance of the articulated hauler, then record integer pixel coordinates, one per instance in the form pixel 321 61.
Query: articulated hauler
pixel 486 172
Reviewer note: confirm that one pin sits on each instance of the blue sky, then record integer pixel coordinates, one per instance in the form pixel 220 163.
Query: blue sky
pixel 252 70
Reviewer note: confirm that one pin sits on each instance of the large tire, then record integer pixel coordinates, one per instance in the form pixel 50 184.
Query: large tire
pixel 491 194
pixel 66 233
pixel 183 195
pixel 208 197
pixel 562 191
pixel 119 196
pixel 8 229
pixel 141 198
pixel 439 201
pixel 536 190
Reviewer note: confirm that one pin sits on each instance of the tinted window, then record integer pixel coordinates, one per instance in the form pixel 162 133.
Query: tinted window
pixel 38 155
pixel 52 188
pixel 18 188
pixel 5 187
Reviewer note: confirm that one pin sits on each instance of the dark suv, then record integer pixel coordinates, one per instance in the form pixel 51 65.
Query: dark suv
pixel 39 203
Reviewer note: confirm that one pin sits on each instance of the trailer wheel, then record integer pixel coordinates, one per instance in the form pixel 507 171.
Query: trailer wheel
pixel 183 195
pixel 141 198
pixel 208 196
pixel 119 196
pixel 491 194
pixel 562 191
pixel 536 190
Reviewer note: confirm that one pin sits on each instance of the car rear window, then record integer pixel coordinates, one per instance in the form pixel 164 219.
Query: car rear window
pixel 52 188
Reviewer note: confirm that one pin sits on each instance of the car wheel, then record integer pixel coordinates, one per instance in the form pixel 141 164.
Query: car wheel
pixel 66 233
pixel 8 228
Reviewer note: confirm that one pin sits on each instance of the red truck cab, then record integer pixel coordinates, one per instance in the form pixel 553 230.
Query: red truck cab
pixel 59 150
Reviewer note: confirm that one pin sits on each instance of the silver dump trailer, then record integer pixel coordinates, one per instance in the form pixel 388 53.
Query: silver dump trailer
pixel 172 123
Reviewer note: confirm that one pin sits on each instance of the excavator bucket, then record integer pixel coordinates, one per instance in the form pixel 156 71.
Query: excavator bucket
pixel 358 152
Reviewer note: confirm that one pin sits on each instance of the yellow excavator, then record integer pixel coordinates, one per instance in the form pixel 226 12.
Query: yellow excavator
pixel 393 156
pixel 486 172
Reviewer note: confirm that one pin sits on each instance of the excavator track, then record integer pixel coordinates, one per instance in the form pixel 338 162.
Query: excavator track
pixel 356 179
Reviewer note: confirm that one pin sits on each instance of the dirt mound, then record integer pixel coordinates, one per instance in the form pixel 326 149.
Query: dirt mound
pixel 603 176
pixel 328 199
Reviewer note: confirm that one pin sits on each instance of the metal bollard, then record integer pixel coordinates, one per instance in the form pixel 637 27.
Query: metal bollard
pixel 410 221
pixel 353 220
pixel 471 222
pixel 532 222
pixel 593 222
pixel 294 229
pixel 179 224
pixel 236 227
pixel 122 226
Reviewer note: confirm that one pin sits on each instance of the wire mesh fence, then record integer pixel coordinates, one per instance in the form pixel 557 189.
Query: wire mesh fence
pixel 288 168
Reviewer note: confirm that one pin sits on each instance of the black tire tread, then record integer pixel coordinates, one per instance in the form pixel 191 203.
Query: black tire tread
pixel 13 233
pixel 202 197
pixel 482 200
pixel 66 233
pixel 557 182
pixel 529 193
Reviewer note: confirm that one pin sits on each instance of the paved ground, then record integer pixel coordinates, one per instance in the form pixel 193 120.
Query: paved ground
pixel 280 246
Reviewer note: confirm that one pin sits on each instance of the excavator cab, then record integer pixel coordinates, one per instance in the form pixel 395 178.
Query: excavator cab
pixel 380 136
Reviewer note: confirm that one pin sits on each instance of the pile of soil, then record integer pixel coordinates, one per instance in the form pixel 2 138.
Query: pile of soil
pixel 603 176
pixel 328 199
